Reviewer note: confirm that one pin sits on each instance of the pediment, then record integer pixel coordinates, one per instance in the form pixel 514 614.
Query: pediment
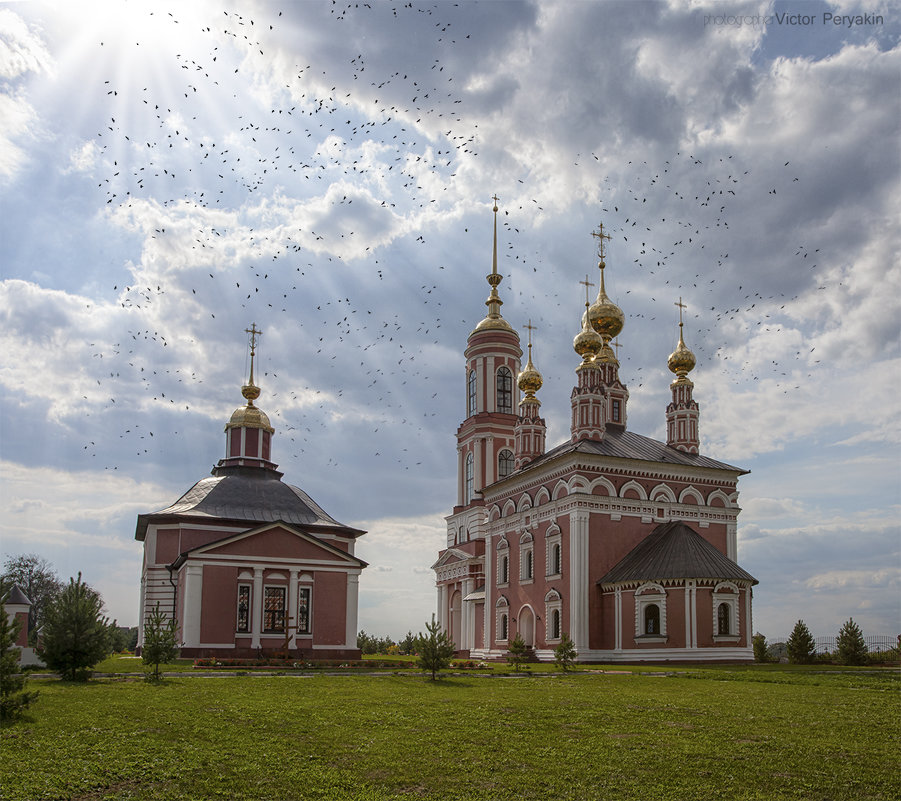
pixel 450 556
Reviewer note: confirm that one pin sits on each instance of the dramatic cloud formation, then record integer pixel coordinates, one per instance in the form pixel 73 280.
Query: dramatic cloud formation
pixel 171 174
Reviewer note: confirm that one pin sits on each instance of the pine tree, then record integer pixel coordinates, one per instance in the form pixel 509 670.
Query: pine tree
pixel 850 648
pixel 159 642
pixel 761 649
pixel 517 652
pixel 14 698
pixel 75 634
pixel 436 649
pixel 565 653
pixel 800 645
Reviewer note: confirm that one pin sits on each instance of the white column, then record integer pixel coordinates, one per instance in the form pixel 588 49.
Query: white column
pixel 490 385
pixel 291 622
pixel 256 608
pixel 489 595
pixel 353 596
pixel 731 542
pixel 442 606
pixel 618 628
pixel 491 466
pixel 749 628
pixel 578 578
pixel 477 484
pixel 192 605
pixel 467 622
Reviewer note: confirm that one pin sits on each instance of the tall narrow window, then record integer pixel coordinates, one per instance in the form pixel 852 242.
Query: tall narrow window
pixel 504 391
pixel 467 492
pixel 274 609
pixel 504 463
pixel 244 607
pixel 503 633
pixel 614 412
pixel 471 394
pixel 505 569
pixel 303 610
pixel 555 624
pixel 530 564
pixel 652 619
pixel 722 619
pixel 555 559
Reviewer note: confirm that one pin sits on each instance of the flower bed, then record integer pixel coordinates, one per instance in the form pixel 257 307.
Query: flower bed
pixel 214 663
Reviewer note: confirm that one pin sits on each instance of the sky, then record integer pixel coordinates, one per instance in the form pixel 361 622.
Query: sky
pixel 172 172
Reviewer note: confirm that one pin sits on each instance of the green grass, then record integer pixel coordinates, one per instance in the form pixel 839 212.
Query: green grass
pixel 708 733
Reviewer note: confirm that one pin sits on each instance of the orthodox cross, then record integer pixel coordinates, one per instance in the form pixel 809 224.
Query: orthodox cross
pixel 586 283
pixel 617 345
pixel 600 236
pixel 254 333
pixel 681 306
pixel 531 328
pixel 495 198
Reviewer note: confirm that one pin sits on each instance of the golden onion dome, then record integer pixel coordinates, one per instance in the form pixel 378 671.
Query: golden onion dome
pixel 588 342
pixel 681 361
pixel 529 380
pixel 249 416
pixel 604 315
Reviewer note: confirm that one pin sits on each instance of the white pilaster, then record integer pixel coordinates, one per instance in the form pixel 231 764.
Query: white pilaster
pixel 489 594
pixel 731 542
pixel 461 475
pixel 190 631
pixel 442 606
pixel 490 385
pixel 468 617
pixel 353 596
pixel 578 578
pixel 618 626
pixel 479 444
pixel 291 623
pixel 256 614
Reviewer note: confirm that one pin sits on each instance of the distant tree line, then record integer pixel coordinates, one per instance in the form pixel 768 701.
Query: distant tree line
pixel 800 648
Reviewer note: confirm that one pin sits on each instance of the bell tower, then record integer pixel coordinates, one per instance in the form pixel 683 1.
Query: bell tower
pixel 486 437
pixel 531 429
pixel 682 413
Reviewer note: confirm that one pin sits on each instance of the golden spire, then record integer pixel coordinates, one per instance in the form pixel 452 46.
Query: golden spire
pixel 605 316
pixel 250 390
pixel 494 302
pixel 588 342
pixel 530 380
pixel 681 361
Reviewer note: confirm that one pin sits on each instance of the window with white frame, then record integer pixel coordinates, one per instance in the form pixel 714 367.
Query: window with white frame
pixel 725 611
pixel 273 610
pixel 650 611
pixel 471 394
pixel 553 613
pixel 505 463
pixel 526 557
pixel 502 610
pixel 504 391
pixel 304 609
pixel 503 562
pixel 467 491
pixel 553 552
pixel 243 624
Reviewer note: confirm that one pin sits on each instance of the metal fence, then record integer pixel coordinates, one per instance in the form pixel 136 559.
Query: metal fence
pixel 875 642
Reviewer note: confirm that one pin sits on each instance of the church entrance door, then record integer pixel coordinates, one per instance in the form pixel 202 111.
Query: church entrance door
pixel 527 626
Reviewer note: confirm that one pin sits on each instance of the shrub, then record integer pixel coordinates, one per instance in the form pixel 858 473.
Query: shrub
pixel 517 652
pixel 159 642
pixel 75 634
pixel 435 649
pixel 801 647
pixel 850 648
pixel 565 653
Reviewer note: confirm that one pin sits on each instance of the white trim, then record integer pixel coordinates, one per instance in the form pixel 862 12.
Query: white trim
pixel 578 577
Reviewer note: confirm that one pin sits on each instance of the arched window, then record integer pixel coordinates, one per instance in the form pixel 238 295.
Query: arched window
pixel 530 564
pixel 505 569
pixel 471 394
pixel 502 621
pixel 555 559
pixel 555 624
pixel 504 391
pixel 722 619
pixel 504 463
pixel 652 619
pixel 467 491
pixel 503 628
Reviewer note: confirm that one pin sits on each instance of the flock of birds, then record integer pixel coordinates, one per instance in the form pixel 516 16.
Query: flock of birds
pixel 386 329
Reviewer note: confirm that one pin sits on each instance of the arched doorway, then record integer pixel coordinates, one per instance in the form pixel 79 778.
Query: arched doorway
pixel 456 609
pixel 527 626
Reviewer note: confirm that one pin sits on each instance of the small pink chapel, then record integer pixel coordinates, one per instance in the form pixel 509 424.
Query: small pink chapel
pixel 247 564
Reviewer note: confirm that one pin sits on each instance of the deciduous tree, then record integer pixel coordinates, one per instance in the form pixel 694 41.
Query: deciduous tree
pixel 75 633
pixel 38 580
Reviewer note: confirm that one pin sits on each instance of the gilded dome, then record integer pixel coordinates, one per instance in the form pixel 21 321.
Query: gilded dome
pixel 681 361
pixel 604 315
pixel 249 416
pixel 588 342
pixel 530 380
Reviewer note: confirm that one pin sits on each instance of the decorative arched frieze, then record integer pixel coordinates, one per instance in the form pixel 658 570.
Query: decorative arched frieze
pixel 542 496
pixel 525 502
pixel 718 498
pixel 578 484
pixel 509 509
pixel 663 493
pixel 691 495
pixel 494 513
pixel 633 486
pixel 603 486
pixel 560 490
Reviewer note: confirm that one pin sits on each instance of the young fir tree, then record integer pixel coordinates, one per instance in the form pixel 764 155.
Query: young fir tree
pixel 75 633
pixel 517 652
pixel 565 653
pixel 761 649
pixel 14 698
pixel 159 642
pixel 850 648
pixel 800 645
pixel 436 649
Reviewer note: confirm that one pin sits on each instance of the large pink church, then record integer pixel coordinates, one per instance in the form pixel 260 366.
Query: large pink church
pixel 626 544
pixel 248 564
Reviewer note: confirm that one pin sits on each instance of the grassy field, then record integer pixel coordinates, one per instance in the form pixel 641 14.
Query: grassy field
pixel 764 733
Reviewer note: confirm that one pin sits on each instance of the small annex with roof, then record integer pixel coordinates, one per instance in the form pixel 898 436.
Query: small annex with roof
pixel 247 564
pixel 17 606
pixel 624 543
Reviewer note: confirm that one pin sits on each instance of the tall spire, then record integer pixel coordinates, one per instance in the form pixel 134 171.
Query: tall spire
pixel 250 390
pixel 604 315
pixel 682 413
pixel 530 431
pixel 494 320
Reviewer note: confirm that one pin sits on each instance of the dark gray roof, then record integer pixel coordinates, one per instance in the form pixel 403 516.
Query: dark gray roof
pixel 17 596
pixel 621 444
pixel 674 550
pixel 245 494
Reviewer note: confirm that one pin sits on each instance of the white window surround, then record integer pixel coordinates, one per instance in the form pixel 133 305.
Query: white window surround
pixel 526 558
pixel 726 593
pixel 553 603
pixel 645 595
pixel 502 610
pixel 552 539
pixel 503 562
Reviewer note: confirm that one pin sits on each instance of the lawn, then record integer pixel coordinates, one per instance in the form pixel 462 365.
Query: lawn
pixel 742 734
